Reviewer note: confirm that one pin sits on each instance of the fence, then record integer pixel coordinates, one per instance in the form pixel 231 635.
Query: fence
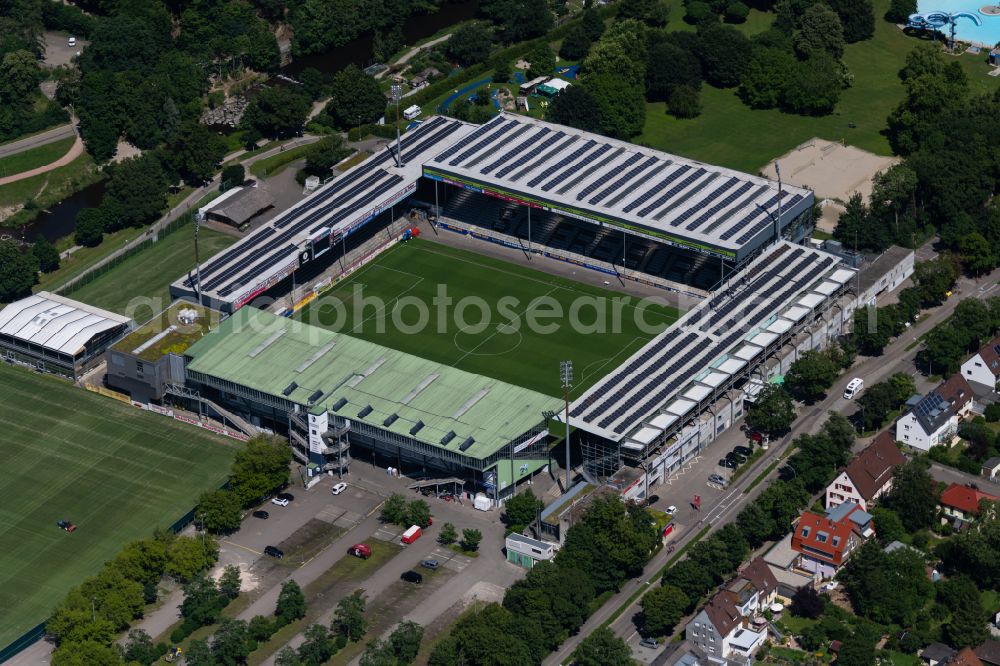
pixel 97 271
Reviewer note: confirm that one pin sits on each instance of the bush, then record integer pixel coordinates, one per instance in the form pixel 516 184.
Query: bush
pixel 232 176
pixel 698 13
pixel 992 413
pixel 684 102
pixel 737 12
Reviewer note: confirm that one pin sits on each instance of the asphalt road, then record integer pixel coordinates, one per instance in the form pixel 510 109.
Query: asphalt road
pixel 720 508
pixel 36 140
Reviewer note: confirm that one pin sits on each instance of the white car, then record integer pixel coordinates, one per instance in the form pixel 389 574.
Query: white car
pixel 279 501
pixel 71 42
pixel 671 510
pixel 831 586
pixel 339 488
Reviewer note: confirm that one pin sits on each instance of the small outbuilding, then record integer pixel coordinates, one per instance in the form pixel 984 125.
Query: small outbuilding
pixel 238 206
pixel 991 468
pixel 527 552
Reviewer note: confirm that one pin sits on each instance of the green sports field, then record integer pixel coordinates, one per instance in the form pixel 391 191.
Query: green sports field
pixel 115 471
pixel 503 320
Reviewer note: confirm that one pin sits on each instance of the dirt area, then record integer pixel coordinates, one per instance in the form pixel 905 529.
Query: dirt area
pixel 58 52
pixel 831 170
pixel 125 150
pixel 831 214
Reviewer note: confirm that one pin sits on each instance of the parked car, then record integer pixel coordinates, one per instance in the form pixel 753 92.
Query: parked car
pixel 650 643
pixel 717 478
pixel 66 525
pixel 72 42
pixel 430 564
pixel 831 586
pixel 263 515
pixel 339 488
pixel 743 450
pixel 274 551
pixel 727 462
pixel 652 499
pixel 412 577
pixel 738 457
pixel 286 496
pixel 279 501
pixel 671 510
pixel 361 550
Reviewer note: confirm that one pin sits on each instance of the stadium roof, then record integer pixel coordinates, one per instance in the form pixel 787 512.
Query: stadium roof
pixel 603 180
pixel 57 323
pixel 350 377
pixel 665 381
pixel 168 333
pixel 668 198
pixel 339 207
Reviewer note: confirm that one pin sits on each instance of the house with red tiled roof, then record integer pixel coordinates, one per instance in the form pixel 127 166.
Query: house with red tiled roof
pixel 962 502
pixel 824 543
pixel 982 369
pixel 965 657
pixel 869 476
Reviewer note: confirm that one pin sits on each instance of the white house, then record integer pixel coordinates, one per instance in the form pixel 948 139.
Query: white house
pixel 869 476
pixel 721 630
pixel 983 368
pixel 933 419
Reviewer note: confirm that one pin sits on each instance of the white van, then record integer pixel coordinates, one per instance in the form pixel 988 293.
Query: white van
pixel 72 42
pixel 853 388
pixel 411 112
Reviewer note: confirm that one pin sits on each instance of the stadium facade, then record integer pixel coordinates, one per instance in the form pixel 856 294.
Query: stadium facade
pixel 604 186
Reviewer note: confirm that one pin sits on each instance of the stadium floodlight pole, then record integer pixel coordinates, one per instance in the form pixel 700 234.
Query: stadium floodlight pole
pixel 197 262
pixel 397 95
pixel 777 234
pixel 566 375
pixel 529 233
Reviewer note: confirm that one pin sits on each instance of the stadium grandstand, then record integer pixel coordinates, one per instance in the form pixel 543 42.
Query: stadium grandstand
pixel 608 203
pixel 55 334
pixel 339 396
pixel 652 401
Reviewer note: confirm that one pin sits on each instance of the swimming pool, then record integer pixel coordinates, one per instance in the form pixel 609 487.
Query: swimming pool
pixel 988 33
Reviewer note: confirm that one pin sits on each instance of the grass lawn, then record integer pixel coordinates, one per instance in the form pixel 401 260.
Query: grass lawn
pixel 36 157
pixel 48 188
pixel 275 164
pixel 731 134
pixel 498 303
pixel 85 257
pixel 139 286
pixel 115 471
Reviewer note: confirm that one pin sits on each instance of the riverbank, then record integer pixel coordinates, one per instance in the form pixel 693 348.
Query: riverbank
pixel 22 201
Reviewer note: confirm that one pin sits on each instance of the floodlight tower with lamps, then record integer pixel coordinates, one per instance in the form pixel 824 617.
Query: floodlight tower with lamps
pixel 397 95
pixel 566 375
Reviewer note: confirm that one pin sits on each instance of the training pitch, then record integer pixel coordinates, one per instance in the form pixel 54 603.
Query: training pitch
pixel 113 470
pixel 503 321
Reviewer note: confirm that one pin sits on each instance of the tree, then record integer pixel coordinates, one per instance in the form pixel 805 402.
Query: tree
pixel 684 102
pixel 471 539
pixel 261 628
pixel 229 581
pixel 621 106
pixel 18 272
pixel 650 12
pixel 821 32
pixel 470 43
pixel 876 403
pixel 318 646
pixel 771 411
pixel 195 152
pixel 137 193
pixel 219 511
pixel 405 641
pixel 323 156
pixel 85 653
pixel 199 654
pixel 280 111
pixel 767 74
pixel 890 527
pixel 576 45
pixel 913 496
pixel 418 512
pixel 592 23
pixel 602 648
pixel 260 468
pixel 810 376
pixel 967 627
pixel 349 617
pixel 232 176
pixel 903 385
pixel 857 18
pixel 662 608
pixel 355 98
pixel 230 646
pixel 45 254
pixel 857 649
pixel 139 647
pixel 542 60
pixel 287 657
pixel 502 68
pixel 89 231
pixel 736 12
pixel 943 349
pixel 621 51
pixel 900 10
pixel 575 107
pixel 202 603
pixel 394 509
pixel 378 653
pixel 935 278
pixel 700 13
pixel 522 509
pixel 668 66
pixel 724 52
pixel 807 603
pixel 291 604
pixel 189 556
pixel 977 255
pixel 814 87
pixel 448 535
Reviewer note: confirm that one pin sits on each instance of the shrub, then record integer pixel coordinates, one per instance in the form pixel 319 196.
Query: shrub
pixel 737 12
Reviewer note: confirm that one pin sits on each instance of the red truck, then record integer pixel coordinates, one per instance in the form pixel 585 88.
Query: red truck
pixel 411 534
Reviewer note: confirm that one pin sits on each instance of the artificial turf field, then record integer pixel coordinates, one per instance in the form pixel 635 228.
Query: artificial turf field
pixel 502 350
pixel 115 471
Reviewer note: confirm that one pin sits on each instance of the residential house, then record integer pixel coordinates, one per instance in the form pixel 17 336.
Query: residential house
pixel 989 652
pixel 962 502
pixel 722 631
pixel 763 580
pixel 983 368
pixel 824 543
pixel 937 654
pixel 958 393
pixel 991 468
pixel 965 657
pixel 929 422
pixel 687 653
pixel 869 476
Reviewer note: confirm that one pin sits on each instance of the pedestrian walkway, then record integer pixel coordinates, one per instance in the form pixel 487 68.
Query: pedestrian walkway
pixel 74 152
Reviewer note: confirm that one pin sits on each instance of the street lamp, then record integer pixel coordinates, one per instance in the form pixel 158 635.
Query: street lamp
pixel 397 95
pixel 566 376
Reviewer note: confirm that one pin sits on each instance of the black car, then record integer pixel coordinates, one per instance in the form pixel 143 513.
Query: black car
pixel 652 499
pixel 738 457
pixel 263 515
pixel 286 496
pixel 726 462
pixel 274 551
pixel 742 450
pixel 412 577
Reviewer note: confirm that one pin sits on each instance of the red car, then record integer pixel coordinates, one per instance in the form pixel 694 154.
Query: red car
pixel 66 525
pixel 361 550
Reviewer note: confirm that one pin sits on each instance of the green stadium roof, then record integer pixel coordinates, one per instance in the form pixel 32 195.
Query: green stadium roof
pixel 267 353
pixel 167 334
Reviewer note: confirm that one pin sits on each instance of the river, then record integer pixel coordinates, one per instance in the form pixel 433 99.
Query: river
pixel 58 220
pixel 359 51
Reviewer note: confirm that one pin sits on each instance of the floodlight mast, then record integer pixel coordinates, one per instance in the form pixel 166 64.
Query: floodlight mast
pixel 777 217
pixel 397 95
pixel 566 375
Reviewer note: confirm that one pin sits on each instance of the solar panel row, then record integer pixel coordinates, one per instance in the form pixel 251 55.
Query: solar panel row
pixel 561 163
pixel 705 201
pixel 459 145
pixel 517 150
pixel 616 186
pixel 672 192
pixel 755 229
pixel 503 129
pixel 544 158
pixel 615 154
pixel 656 189
pixel 605 177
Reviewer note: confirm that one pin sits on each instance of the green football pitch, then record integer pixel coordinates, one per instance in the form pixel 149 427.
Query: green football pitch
pixel 113 470
pixel 502 320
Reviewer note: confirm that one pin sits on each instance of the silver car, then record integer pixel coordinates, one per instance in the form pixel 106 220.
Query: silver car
pixel 717 478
